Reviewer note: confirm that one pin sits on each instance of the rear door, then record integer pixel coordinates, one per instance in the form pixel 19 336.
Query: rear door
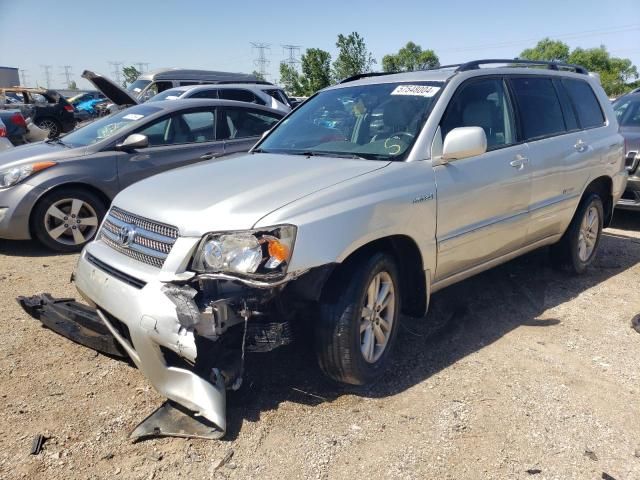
pixel 482 200
pixel 241 127
pixel 178 139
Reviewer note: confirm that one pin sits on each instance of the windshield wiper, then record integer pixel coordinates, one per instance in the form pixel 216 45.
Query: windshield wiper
pixel 57 141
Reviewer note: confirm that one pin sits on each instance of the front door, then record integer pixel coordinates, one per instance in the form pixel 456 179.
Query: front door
pixel 483 200
pixel 174 141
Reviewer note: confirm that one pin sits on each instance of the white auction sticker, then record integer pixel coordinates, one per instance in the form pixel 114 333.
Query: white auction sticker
pixel 133 116
pixel 416 90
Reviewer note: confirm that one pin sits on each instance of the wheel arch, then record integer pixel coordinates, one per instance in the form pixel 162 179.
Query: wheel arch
pixel 83 186
pixel 406 253
pixel 603 186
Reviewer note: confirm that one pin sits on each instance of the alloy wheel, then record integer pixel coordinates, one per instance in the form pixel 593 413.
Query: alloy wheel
pixel 588 234
pixel 71 221
pixel 377 316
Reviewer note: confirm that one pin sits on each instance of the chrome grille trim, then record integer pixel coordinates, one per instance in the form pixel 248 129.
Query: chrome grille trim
pixel 152 243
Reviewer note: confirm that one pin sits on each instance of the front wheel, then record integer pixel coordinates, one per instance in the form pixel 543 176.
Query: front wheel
pixel 357 328
pixel 67 219
pixel 577 249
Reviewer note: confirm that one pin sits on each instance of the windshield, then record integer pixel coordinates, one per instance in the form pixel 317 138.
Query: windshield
pixel 628 111
pixel 108 126
pixel 137 86
pixel 378 122
pixel 171 94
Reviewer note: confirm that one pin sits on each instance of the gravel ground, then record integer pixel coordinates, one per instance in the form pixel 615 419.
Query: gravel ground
pixel 520 372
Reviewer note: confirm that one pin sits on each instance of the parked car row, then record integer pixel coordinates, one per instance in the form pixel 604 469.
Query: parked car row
pixel 370 196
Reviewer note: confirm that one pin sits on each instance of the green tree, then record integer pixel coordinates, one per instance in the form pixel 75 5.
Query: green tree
pixel 316 70
pixel 547 50
pixel 130 75
pixel 73 85
pixel 410 57
pixel 353 56
pixel 615 73
pixel 290 80
pixel 258 75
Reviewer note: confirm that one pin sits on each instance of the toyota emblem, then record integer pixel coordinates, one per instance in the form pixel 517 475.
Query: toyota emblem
pixel 126 235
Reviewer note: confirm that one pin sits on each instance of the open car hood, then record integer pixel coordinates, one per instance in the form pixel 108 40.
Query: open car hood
pixel 111 90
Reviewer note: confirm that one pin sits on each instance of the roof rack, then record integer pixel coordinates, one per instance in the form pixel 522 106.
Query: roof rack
pixel 516 62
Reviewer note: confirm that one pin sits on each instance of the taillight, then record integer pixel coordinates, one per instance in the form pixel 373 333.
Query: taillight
pixel 68 108
pixel 18 119
pixel 3 131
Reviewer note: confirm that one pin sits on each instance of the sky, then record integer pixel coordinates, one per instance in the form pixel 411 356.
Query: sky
pixel 217 35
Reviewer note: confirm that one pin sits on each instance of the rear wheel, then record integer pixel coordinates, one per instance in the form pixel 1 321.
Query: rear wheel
pixel 67 219
pixel 577 249
pixel 356 330
pixel 50 124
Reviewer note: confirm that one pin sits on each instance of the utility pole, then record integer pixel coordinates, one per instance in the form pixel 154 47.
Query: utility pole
pixel 292 52
pixel 24 76
pixel 47 74
pixel 67 74
pixel 116 71
pixel 261 62
pixel 142 66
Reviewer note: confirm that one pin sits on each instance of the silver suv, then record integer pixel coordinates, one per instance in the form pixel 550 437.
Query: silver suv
pixel 350 212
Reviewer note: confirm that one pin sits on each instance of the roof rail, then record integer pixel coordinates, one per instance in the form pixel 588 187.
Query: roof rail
pixel 358 76
pixel 517 62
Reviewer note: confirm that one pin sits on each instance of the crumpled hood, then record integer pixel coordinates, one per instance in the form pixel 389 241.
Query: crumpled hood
pixel 235 193
pixel 37 152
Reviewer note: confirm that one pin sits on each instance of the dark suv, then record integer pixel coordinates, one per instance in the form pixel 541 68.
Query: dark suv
pixel 46 108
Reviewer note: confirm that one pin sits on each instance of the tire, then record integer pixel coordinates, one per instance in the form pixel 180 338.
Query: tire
pixel 51 124
pixel 340 341
pixel 51 214
pixel 577 248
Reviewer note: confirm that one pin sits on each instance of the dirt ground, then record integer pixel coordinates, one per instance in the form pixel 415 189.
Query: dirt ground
pixel 519 373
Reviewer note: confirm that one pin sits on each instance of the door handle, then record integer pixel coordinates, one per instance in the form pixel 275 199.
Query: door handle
pixel 580 146
pixel 209 156
pixel 519 162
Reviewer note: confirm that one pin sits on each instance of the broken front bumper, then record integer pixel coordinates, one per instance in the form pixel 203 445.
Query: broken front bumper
pixel 144 321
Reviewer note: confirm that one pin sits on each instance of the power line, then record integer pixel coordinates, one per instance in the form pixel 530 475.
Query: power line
pixel 46 69
pixel 261 62
pixel 117 72
pixel 67 74
pixel 23 74
pixel 142 66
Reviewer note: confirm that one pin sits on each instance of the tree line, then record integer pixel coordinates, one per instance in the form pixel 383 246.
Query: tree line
pixel 617 75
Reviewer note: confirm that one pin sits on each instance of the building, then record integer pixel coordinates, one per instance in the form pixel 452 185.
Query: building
pixel 9 77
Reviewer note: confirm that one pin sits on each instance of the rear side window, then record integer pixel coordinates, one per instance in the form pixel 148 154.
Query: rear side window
pixel 585 102
pixel 539 107
pixel 237 94
pixel 243 123
pixel 205 94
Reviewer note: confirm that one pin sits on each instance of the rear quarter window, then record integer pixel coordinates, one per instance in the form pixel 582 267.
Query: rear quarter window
pixel 585 102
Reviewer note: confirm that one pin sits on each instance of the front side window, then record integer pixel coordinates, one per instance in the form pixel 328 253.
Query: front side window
pixel 190 127
pixel 378 121
pixel 244 122
pixel 482 103
pixel 539 107
pixel 585 102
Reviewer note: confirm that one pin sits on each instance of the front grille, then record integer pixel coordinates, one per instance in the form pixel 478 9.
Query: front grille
pixel 151 242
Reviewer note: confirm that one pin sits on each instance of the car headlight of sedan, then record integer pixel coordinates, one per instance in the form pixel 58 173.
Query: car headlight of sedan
pixel 13 175
pixel 260 252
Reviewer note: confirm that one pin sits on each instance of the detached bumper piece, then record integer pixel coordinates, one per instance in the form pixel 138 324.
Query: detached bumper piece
pixel 73 320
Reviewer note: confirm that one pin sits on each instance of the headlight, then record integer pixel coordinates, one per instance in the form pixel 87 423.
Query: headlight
pixel 13 175
pixel 264 251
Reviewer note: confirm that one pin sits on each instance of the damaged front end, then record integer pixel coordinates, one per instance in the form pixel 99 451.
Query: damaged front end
pixel 189 338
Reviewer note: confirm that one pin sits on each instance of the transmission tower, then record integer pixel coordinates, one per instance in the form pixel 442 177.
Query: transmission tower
pixel 291 51
pixel 261 62
pixel 142 66
pixel 24 76
pixel 46 69
pixel 67 74
pixel 117 72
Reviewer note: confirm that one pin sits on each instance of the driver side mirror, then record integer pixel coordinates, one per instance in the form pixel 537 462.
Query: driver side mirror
pixel 464 142
pixel 133 142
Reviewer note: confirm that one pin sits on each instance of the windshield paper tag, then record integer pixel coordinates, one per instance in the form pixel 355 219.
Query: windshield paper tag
pixel 416 90
pixel 133 116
